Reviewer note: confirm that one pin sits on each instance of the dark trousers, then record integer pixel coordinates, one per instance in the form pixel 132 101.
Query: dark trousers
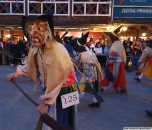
pixel 15 60
pixel 1 59
pixel 135 59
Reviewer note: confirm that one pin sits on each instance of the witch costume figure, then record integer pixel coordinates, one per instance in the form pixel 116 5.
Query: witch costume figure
pixel 69 48
pixel 115 68
pixel 144 63
pixel 55 66
pixel 92 72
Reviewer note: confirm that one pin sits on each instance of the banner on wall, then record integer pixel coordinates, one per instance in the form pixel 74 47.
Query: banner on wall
pixel 133 2
pixel 126 12
pixel 132 9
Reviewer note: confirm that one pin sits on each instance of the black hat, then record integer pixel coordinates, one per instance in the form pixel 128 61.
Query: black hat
pixel 67 39
pixel 114 35
pixel 67 44
pixel 46 17
pixel 78 43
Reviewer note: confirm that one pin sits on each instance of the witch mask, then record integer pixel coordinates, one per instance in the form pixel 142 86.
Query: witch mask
pixel 39 32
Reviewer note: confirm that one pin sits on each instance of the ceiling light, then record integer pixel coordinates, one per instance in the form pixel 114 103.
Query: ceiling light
pixel 108 27
pixel 112 27
pixel 59 28
pixel 72 28
pixel 85 28
pixel 8 35
pixel 143 34
pixel 124 28
pixel 8 27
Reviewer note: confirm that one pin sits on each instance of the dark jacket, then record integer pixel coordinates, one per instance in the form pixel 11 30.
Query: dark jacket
pixel 14 49
pixel 22 47
pixel 8 47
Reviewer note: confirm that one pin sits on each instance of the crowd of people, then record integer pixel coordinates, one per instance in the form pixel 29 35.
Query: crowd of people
pixel 16 51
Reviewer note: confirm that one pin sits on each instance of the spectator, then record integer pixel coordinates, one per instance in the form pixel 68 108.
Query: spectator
pixel 136 53
pixel 8 49
pixel 128 50
pixel 21 47
pixel 98 48
pixel 92 44
pixel 100 38
pixel 15 51
pixel 1 48
pixel 127 41
pixel 149 42
pixel 1 45
pixel 57 37
pixel 107 47
pixel 24 48
pixel 102 44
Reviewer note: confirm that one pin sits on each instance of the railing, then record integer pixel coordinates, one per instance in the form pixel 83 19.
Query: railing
pixel 91 9
pixel 59 8
pixel 12 7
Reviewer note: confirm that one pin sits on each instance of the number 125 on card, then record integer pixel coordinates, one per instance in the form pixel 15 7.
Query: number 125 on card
pixel 70 99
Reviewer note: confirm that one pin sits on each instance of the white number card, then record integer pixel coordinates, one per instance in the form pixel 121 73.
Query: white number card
pixel 70 99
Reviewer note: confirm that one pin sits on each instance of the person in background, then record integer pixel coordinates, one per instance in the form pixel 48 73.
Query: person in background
pixel 89 42
pixel 144 63
pixel 98 48
pixel 24 49
pixel 149 42
pixel 107 47
pixel 128 50
pixel 9 43
pixel 92 45
pixel 15 52
pixel 21 47
pixel 100 38
pixel 126 42
pixel 115 64
pixel 57 37
pixel 92 72
pixel 1 48
pixel 136 53
pixel 101 42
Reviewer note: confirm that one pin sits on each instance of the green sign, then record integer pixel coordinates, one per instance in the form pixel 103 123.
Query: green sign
pixel 132 12
pixel 133 2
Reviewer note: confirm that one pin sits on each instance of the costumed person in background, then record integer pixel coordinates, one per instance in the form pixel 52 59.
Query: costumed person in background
pixel 69 47
pixel 92 72
pixel 55 65
pixel 115 69
pixel 149 42
pixel 144 63
pixel 74 58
